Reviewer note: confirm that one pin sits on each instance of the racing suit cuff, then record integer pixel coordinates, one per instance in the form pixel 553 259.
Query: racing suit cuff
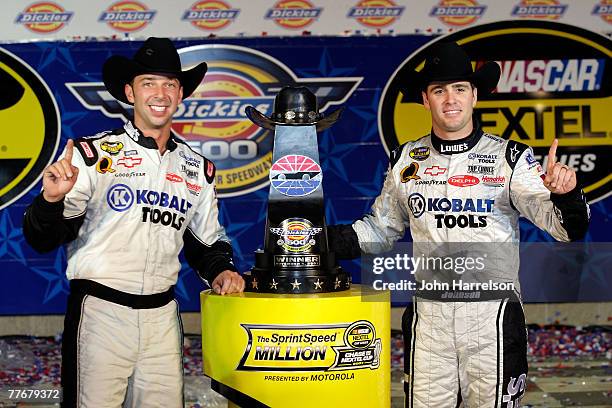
pixel 343 241
pixel 571 196
pixel 574 212
pixel 46 211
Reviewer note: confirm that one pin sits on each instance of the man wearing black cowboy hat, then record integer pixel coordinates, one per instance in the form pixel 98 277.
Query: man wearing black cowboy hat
pixel 462 185
pixel 125 205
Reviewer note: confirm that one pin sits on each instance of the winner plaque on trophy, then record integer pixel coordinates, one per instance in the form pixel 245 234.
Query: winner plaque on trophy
pixel 296 256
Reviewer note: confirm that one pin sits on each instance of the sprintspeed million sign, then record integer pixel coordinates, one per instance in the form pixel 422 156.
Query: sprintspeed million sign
pixel 555 82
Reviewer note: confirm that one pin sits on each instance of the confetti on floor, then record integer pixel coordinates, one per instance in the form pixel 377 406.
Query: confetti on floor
pixel 569 366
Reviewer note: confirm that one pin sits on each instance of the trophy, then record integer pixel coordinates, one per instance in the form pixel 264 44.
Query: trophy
pixel 296 256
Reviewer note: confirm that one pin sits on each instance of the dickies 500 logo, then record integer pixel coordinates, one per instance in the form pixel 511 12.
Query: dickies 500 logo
pixel 127 16
pixel 44 17
pixel 557 84
pixel 213 121
pixel 30 127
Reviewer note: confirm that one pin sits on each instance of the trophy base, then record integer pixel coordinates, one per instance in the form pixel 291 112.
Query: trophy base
pixel 294 282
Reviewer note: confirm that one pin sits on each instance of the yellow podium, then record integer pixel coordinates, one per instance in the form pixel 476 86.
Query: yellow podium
pixel 310 350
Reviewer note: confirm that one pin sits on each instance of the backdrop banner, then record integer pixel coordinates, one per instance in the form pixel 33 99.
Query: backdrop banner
pixel 55 93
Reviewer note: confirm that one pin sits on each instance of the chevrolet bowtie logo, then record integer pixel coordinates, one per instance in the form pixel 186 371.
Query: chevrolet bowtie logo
pixel 435 170
pixel 129 162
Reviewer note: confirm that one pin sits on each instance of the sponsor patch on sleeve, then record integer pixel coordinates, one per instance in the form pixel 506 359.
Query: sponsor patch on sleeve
pixel 88 151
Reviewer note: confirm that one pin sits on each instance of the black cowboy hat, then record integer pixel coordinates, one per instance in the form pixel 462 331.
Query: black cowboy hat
pixel 294 106
pixel 447 62
pixel 156 56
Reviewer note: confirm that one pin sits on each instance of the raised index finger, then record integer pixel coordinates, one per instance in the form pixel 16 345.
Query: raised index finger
pixel 552 156
pixel 69 150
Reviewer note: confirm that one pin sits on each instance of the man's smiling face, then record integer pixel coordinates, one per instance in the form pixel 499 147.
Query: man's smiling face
pixel 155 98
pixel 451 105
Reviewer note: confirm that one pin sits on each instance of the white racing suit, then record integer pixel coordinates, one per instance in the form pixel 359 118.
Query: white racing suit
pixel 468 191
pixel 125 221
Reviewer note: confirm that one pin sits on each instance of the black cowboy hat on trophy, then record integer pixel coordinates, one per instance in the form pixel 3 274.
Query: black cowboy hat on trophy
pixel 294 106
pixel 448 62
pixel 156 56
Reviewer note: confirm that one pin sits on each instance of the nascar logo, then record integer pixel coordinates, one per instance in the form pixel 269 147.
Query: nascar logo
pixel 210 15
pixel 293 14
pixel 376 13
pixel 127 16
pixel 555 75
pixel 544 9
pixel 458 12
pixel 212 121
pixel 44 17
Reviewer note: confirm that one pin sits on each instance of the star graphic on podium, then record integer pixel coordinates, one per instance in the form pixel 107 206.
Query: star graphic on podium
pixel 337 283
pixel 318 284
pixel 296 284
pixel 254 284
pixel 274 284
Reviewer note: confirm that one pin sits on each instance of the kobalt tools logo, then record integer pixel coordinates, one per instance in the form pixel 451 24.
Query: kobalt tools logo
pixel 27 109
pixel 604 10
pixel 544 9
pixel 332 347
pixel 210 15
pixel 127 16
pixel 293 14
pixel 376 13
pixel 562 90
pixel 458 13
pixel 120 197
pixel 212 121
pixel 44 17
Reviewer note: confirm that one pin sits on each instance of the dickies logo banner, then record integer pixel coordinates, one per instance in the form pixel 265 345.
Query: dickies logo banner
pixel 458 13
pixel 542 9
pixel 44 17
pixel 376 13
pixel 30 127
pixel 213 121
pixel 293 14
pixel 127 16
pixel 557 84
pixel 210 15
